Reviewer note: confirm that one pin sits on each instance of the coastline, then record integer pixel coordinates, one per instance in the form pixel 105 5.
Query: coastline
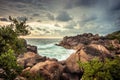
pixel 68 69
pixel 41 37
pixel 47 47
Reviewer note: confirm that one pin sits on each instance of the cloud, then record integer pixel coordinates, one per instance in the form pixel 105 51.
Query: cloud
pixel 70 25
pixel 3 19
pixel 30 28
pixel 57 25
pixel 63 16
pixel 22 18
pixel 80 3
pixel 50 16
pixel 85 2
pixel 35 15
pixel 21 5
pixel 86 20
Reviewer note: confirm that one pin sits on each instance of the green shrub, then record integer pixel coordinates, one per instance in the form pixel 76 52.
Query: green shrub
pixel 9 40
pixel 114 35
pixel 97 70
pixel 9 64
pixel 29 76
pixel 37 77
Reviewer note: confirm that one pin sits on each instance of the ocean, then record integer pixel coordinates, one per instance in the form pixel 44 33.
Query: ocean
pixel 47 47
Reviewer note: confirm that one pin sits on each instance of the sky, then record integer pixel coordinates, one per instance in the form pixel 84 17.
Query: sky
pixel 58 18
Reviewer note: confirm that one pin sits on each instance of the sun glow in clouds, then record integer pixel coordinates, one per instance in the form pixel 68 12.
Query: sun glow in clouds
pixel 43 29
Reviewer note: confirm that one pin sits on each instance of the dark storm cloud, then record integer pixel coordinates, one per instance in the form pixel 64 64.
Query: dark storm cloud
pixel 44 30
pixel 63 16
pixel 20 5
pixel 100 16
pixel 3 19
pixel 115 5
pixel 85 2
pixel 79 3
pixel 116 8
pixel 35 15
pixel 87 20
pixel 22 18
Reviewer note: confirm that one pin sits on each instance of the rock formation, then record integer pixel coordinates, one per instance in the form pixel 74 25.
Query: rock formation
pixel 76 42
pixel 88 46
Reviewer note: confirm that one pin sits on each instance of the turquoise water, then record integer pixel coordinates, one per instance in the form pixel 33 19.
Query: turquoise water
pixel 47 47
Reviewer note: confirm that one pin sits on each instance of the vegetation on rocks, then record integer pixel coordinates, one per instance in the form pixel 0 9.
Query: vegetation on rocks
pixel 9 36
pixel 114 35
pixel 9 65
pixel 88 47
pixel 97 70
pixel 10 47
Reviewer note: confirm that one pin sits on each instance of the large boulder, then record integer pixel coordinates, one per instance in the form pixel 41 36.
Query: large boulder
pixel 29 59
pixel 85 54
pixel 50 70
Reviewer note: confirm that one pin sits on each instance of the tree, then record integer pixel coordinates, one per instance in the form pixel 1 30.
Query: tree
pixel 11 46
pixel 20 27
pixel 9 36
pixel 114 35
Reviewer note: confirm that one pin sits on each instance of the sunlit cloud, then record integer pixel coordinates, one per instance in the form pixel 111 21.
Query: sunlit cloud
pixel 64 17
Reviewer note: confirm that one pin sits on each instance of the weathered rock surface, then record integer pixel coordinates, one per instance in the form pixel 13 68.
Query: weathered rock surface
pixel 35 64
pixel 76 42
pixel 84 54
pixel 88 46
pixel 20 78
pixel 31 48
pixel 51 70
pixel 29 59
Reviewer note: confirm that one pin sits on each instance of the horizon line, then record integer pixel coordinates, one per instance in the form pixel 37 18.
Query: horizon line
pixel 40 37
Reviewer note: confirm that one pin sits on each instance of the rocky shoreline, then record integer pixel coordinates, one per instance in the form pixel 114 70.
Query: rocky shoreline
pixel 88 46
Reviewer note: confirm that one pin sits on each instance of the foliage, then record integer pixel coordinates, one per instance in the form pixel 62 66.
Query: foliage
pixel 9 40
pixel 9 64
pixel 10 46
pixel 31 77
pixel 37 77
pixel 114 35
pixel 9 36
pixel 20 27
pixel 97 70
pixel 111 47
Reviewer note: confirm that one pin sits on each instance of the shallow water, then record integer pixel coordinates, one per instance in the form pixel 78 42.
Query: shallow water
pixel 47 47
